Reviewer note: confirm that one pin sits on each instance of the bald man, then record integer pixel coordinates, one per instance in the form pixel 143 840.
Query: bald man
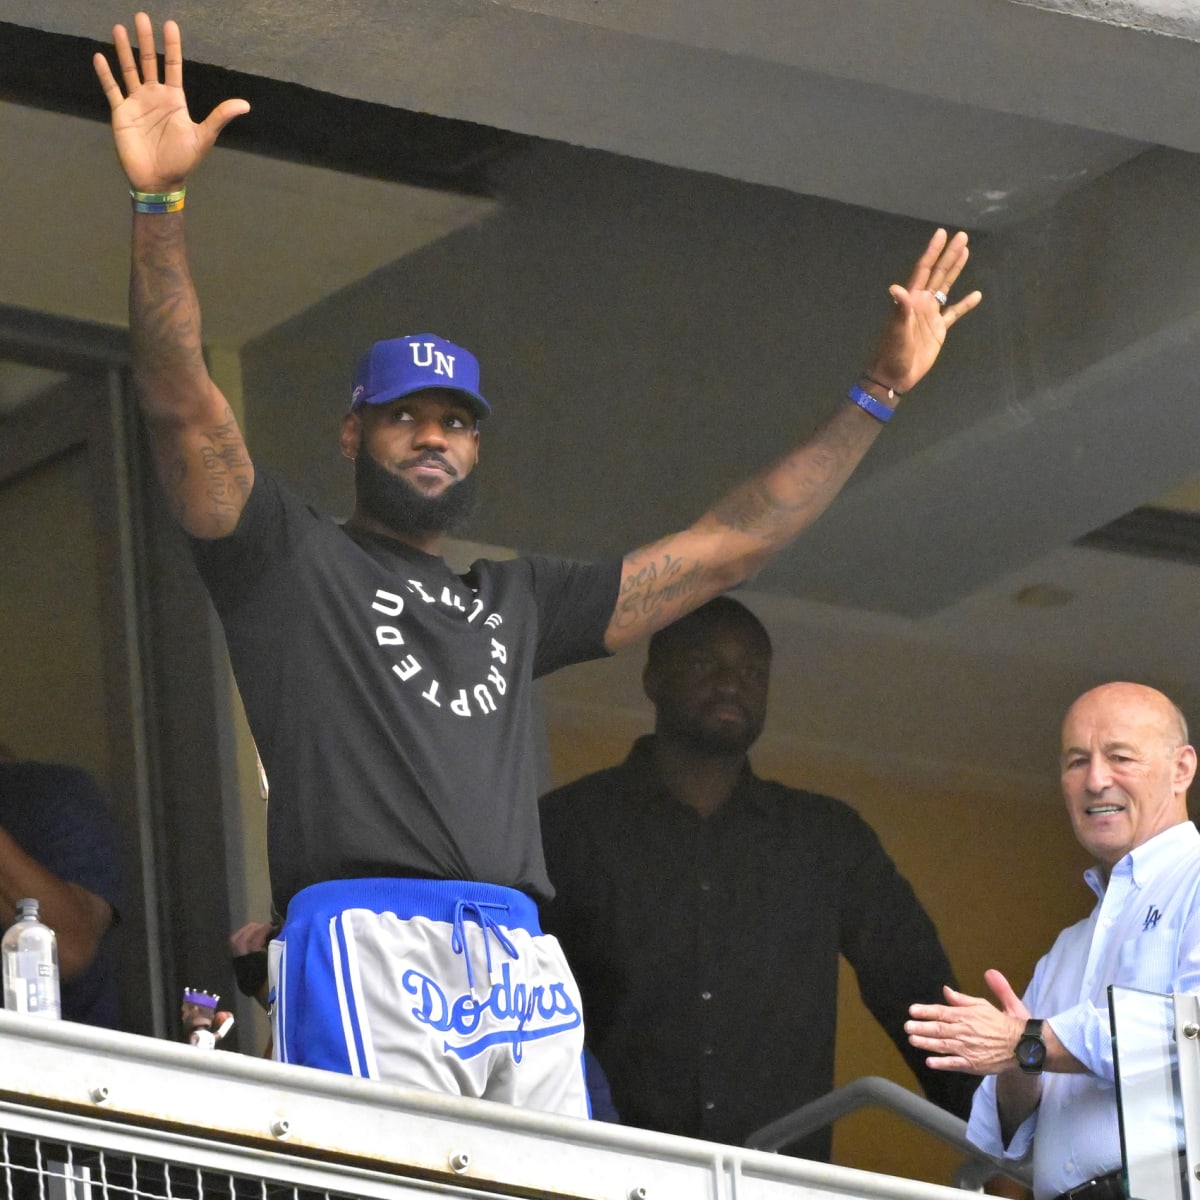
pixel 1048 1060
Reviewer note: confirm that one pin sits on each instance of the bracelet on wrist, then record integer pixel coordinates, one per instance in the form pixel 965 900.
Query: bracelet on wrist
pixel 869 404
pixel 158 202
pixel 887 387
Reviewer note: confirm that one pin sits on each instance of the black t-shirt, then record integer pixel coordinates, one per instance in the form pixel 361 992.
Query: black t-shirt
pixel 390 698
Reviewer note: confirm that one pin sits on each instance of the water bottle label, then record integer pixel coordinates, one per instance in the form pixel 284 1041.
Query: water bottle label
pixel 31 983
pixel 35 998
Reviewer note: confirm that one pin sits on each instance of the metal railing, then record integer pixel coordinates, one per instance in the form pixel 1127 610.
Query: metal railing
pixel 873 1091
pixel 91 1114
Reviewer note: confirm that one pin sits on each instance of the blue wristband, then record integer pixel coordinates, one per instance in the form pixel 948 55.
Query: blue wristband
pixel 868 403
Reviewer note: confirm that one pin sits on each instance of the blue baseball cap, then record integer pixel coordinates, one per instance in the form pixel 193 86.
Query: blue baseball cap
pixel 400 366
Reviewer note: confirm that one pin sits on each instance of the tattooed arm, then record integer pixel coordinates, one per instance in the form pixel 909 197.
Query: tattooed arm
pixel 202 460
pixel 668 578
pixel 201 457
pixel 662 581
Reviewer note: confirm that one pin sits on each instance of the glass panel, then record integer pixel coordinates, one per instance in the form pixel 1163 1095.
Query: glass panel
pixel 1148 1096
pixel 53 706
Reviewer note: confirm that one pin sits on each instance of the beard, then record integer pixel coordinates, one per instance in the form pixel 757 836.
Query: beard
pixel 722 740
pixel 398 505
pixel 715 739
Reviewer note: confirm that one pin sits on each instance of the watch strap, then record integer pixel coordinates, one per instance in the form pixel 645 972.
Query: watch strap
pixel 1031 1048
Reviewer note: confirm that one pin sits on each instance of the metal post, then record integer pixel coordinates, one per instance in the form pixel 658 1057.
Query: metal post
pixel 1187 1039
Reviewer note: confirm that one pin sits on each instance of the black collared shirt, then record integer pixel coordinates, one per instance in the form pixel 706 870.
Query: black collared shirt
pixel 707 949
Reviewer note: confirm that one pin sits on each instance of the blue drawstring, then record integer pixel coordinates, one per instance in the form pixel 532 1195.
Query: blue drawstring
pixel 458 943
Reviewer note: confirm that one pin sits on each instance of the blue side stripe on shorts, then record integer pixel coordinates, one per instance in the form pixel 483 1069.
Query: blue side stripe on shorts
pixel 354 1049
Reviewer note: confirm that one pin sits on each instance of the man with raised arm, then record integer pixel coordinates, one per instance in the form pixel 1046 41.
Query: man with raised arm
pixel 1049 1089
pixel 390 698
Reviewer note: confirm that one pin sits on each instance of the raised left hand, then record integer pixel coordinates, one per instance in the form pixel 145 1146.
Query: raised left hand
pixel 914 335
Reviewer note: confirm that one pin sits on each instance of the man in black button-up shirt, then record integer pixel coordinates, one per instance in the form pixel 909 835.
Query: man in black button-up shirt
pixel 703 909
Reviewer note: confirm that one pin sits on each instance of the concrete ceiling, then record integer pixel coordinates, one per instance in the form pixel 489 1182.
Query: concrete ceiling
pixel 970 112
pixel 980 113
pixel 78 267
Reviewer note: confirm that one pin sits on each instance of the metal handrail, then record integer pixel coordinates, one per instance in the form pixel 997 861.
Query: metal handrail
pixel 73 1096
pixel 874 1090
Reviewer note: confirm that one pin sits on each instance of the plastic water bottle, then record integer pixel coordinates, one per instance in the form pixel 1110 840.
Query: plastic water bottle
pixel 29 951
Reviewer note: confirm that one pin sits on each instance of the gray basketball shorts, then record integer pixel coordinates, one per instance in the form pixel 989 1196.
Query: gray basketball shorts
pixel 428 983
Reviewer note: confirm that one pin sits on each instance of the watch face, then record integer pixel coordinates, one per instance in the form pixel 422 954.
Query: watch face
pixel 1031 1053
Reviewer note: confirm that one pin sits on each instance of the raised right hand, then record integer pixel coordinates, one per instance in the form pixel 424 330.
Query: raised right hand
pixel 158 144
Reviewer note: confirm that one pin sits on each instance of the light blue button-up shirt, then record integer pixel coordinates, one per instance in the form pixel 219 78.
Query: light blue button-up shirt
pixel 1144 933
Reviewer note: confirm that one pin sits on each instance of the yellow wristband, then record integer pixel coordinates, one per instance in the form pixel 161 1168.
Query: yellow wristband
pixel 157 202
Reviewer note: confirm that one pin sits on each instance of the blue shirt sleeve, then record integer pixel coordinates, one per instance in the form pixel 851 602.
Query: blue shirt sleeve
pixel 58 816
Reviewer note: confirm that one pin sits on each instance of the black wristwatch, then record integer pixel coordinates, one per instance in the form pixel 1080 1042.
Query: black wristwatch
pixel 1031 1050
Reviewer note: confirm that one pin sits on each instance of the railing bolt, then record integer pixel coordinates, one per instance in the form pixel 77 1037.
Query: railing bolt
pixel 460 1161
pixel 1191 1030
pixel 99 1094
pixel 638 1193
pixel 281 1127
pixel 1196 1172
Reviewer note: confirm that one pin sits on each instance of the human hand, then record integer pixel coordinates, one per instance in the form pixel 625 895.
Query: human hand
pixel 969 1033
pixel 914 335
pixel 251 937
pixel 157 142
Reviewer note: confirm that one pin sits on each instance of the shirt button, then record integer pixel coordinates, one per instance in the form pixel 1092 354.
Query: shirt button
pixel 707 1051
pixel 709 1105
pixel 705 886
pixel 706 995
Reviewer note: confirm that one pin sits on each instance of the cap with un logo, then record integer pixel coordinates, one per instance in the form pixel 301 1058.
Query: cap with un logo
pixel 400 366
